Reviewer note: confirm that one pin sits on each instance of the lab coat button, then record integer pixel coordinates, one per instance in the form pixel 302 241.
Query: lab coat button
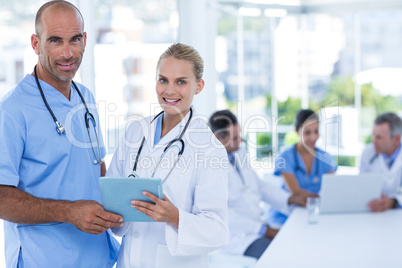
pixel 136 234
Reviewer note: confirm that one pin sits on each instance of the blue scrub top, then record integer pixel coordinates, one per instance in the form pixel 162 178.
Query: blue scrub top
pixel 39 161
pixel 290 161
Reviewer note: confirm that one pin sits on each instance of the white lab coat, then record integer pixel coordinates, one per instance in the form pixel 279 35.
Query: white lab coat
pixel 244 210
pixel 370 163
pixel 197 187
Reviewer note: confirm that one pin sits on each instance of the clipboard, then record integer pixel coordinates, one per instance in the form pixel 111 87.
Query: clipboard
pixel 117 194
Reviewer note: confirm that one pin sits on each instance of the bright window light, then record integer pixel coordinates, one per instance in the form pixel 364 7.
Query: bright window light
pixel 249 12
pixel 276 2
pixel 275 12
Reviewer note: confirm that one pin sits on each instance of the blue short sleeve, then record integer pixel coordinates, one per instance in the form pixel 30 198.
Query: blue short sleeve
pixel 327 162
pixel 11 148
pixel 285 162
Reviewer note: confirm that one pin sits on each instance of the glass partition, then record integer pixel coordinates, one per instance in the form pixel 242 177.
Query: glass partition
pixel 343 65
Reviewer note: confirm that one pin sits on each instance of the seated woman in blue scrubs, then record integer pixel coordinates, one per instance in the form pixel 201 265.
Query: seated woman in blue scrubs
pixel 303 164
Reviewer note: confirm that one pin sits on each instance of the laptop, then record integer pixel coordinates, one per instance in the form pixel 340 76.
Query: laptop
pixel 349 193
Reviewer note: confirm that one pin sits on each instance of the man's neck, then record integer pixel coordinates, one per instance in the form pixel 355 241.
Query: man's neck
pixel 393 150
pixel 64 87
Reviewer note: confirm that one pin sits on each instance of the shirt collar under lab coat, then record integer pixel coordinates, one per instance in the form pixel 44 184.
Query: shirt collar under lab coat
pixel 149 132
pixel 393 156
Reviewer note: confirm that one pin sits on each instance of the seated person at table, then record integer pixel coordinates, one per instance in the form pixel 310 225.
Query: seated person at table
pixel 303 164
pixel 384 156
pixel 249 236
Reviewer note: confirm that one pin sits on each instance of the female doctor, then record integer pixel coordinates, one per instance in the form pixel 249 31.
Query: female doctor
pixel 191 220
pixel 302 165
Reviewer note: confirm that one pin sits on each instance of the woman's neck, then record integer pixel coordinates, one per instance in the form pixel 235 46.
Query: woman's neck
pixel 303 149
pixel 170 121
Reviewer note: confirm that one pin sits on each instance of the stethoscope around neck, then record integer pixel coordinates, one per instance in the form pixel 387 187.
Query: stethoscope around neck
pixel 299 168
pixel 88 118
pixel 172 143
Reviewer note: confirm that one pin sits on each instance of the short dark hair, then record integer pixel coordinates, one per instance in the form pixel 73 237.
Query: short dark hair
pixel 304 115
pixel 66 4
pixel 393 120
pixel 220 121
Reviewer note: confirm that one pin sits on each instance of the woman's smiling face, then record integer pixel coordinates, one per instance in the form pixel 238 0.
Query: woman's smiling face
pixel 176 85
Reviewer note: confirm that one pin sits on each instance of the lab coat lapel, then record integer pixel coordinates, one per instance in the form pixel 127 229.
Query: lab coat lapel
pixel 149 133
pixel 174 133
pixel 397 165
pixel 148 152
pixel 159 148
pixel 382 165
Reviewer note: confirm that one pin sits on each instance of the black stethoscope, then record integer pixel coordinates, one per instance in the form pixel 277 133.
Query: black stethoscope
pixel 88 117
pixel 299 168
pixel 168 146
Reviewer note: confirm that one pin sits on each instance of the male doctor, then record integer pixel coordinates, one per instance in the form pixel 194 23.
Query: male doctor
pixel 384 156
pixel 49 193
pixel 249 235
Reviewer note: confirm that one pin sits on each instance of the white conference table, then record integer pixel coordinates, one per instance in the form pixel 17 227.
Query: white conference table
pixel 361 240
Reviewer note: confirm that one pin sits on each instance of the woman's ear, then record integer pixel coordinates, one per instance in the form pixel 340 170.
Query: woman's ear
pixel 200 86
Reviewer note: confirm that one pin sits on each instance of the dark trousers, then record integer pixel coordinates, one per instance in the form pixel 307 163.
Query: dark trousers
pixel 257 247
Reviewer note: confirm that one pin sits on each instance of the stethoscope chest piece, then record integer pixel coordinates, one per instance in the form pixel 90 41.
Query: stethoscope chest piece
pixel 175 143
pixel 60 129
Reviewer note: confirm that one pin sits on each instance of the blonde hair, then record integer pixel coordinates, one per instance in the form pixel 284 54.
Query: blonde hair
pixel 185 52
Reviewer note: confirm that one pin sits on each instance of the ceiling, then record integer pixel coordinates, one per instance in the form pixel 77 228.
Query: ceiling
pixel 319 6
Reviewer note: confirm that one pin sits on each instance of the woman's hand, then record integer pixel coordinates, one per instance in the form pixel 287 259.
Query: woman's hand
pixel 161 211
pixel 293 186
pixel 308 193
